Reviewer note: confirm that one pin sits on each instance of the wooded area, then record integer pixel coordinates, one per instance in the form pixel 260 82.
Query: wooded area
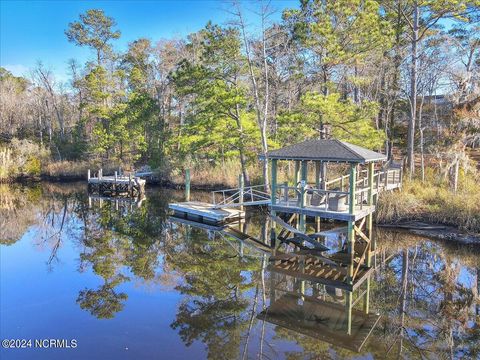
pixel 396 76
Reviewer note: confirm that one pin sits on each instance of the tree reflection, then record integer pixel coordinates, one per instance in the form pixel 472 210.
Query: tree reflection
pixel 425 291
pixel 118 239
pixel 104 302
pixel 217 284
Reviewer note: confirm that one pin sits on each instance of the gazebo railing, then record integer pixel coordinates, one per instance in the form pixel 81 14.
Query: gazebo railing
pixel 291 196
pixel 335 199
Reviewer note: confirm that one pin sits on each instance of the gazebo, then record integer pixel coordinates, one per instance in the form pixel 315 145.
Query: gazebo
pixel 348 197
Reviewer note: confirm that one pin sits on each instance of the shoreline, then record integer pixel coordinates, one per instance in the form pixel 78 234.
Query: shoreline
pixel 418 227
pixel 436 231
pixel 25 180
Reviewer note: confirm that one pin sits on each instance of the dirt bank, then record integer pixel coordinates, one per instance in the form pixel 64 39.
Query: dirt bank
pixel 447 233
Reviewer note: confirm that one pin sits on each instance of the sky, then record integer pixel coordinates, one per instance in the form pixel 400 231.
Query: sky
pixel 32 31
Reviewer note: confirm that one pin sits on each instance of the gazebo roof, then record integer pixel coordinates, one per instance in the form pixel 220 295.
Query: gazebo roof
pixel 326 150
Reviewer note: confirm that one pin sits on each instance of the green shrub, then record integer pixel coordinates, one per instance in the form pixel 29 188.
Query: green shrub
pixel 22 157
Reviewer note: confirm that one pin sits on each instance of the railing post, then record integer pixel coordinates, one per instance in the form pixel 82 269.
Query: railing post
pixel 302 194
pixel 187 184
pixel 88 174
pixel 240 191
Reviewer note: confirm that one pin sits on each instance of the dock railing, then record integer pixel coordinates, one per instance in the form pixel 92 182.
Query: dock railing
pixel 336 196
pixel 248 195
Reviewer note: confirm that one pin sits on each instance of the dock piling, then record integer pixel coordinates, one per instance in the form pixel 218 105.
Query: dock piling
pixel 240 190
pixel 187 184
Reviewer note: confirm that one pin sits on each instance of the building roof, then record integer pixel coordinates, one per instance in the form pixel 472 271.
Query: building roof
pixel 326 150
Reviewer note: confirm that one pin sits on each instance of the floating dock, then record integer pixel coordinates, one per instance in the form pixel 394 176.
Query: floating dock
pixel 116 185
pixel 205 212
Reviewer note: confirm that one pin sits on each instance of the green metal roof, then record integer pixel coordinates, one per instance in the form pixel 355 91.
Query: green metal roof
pixel 326 150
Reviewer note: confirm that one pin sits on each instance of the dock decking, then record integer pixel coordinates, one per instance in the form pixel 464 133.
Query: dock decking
pixel 201 211
pixel 115 185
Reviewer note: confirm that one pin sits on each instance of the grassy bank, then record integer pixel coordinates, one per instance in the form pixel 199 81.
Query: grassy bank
pixel 434 202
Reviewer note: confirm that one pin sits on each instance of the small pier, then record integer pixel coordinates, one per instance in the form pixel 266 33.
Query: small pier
pixel 116 185
pixel 227 205
pixel 205 212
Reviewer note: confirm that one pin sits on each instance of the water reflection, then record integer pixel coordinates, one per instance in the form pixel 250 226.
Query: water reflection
pixel 126 261
pixel 327 313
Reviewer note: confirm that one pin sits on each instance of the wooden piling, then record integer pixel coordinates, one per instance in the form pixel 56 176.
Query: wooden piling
pixel 240 190
pixel 187 184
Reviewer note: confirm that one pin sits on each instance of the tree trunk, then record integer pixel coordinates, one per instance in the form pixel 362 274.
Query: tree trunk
pixel 241 148
pixel 261 118
pixel 413 93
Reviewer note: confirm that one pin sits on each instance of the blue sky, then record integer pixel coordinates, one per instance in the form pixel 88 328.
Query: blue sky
pixel 34 30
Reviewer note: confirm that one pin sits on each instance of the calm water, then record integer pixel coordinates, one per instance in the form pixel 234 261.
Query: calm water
pixel 126 283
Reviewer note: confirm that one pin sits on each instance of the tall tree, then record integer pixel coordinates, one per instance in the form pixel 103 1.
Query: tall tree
pixel 95 30
pixel 422 16
pixel 219 117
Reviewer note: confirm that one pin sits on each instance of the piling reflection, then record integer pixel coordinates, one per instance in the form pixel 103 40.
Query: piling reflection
pixel 334 315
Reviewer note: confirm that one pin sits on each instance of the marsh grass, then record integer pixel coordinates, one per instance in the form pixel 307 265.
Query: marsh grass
pixel 75 169
pixel 207 176
pixel 433 201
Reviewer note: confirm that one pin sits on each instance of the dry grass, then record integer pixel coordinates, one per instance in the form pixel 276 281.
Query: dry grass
pixel 217 176
pixel 75 169
pixel 434 202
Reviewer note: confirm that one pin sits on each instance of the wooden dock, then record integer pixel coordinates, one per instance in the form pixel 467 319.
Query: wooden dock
pixel 116 185
pixel 205 212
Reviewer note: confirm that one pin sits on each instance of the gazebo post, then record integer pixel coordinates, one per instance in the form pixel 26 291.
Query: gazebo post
pixel 351 222
pixel 297 173
pixel 323 172
pixel 370 215
pixel 351 245
pixel 303 193
pixel 318 165
pixel 349 307
pixel 274 183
